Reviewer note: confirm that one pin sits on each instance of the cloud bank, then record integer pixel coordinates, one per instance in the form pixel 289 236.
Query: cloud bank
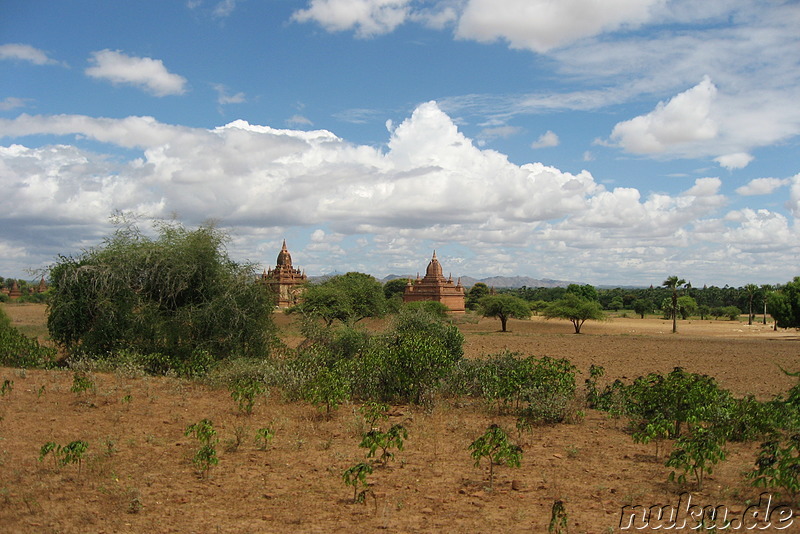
pixel 431 185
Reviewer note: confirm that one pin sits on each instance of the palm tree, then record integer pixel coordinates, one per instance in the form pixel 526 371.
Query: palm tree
pixel 766 288
pixel 751 293
pixel 673 283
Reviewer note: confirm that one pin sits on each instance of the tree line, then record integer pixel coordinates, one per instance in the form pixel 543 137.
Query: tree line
pixel 180 298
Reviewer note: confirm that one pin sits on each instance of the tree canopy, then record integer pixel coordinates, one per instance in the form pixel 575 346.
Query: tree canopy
pixel 174 295
pixel 673 283
pixel 475 294
pixel 784 304
pixel 395 288
pixel 586 291
pixel 503 307
pixel 576 309
pixel 348 298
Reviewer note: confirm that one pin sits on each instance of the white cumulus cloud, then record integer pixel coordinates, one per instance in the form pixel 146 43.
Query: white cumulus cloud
pixel 24 52
pixel 686 118
pixel 367 17
pixel 739 160
pixel 143 72
pixel 541 25
pixel 546 140
pixel 761 186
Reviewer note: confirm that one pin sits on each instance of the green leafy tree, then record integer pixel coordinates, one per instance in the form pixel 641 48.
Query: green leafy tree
pixel 394 288
pixel 575 309
pixel 673 283
pixel 642 307
pixel 475 294
pixel 347 298
pixel 687 306
pixel 504 307
pixel 616 304
pixel 176 295
pixel 784 305
pixel 731 312
pixel 586 291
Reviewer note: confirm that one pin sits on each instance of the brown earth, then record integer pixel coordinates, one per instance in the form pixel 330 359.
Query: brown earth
pixel 138 475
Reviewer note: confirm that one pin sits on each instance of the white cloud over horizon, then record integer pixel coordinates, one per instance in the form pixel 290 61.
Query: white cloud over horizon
pixel 25 52
pixel 143 72
pixel 430 185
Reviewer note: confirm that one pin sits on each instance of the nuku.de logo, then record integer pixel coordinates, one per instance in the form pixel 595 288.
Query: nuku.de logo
pixel 685 515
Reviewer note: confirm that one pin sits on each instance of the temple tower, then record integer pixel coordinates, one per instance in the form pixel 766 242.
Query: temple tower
pixel 284 280
pixel 434 286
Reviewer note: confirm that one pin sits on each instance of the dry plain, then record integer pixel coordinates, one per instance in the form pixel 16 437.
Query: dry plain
pixel 138 475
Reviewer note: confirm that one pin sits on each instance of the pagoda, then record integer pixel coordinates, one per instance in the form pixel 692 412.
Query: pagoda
pixel 434 286
pixel 284 280
pixel 14 291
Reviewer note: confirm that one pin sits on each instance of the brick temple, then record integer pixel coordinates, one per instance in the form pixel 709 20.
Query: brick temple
pixel 434 286
pixel 284 280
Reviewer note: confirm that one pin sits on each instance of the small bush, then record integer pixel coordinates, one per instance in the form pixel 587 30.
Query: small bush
pixel 18 350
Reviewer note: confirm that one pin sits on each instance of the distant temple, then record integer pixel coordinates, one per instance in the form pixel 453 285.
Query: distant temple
pixel 284 279
pixel 434 286
pixel 14 291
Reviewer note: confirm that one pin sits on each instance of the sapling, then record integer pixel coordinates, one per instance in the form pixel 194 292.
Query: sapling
pixel 68 454
pixel 696 453
pixel 264 437
pixel 495 445
pixel 356 476
pixel 81 382
pixel 656 429
pixel 372 412
pixel 558 518
pixel 47 448
pixel 7 386
pixel 778 466
pixel 245 392
pixel 206 455
pixel 375 439
pixel 329 388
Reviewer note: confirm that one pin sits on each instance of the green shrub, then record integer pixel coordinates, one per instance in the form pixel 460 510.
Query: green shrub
pixel 778 466
pixel 18 350
pixel 178 296
pixel 408 362
pixel 431 307
pixel 679 397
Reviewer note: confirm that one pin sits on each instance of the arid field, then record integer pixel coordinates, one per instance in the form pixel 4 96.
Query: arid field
pixel 138 475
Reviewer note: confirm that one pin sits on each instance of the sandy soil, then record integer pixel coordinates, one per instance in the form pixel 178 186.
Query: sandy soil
pixel 138 475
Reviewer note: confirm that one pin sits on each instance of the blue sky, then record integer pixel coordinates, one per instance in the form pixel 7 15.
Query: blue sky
pixel 600 141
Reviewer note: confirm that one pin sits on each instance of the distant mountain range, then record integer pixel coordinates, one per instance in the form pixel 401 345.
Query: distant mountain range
pixel 500 281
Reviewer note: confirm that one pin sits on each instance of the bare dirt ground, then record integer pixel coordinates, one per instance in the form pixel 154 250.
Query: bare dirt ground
pixel 138 475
